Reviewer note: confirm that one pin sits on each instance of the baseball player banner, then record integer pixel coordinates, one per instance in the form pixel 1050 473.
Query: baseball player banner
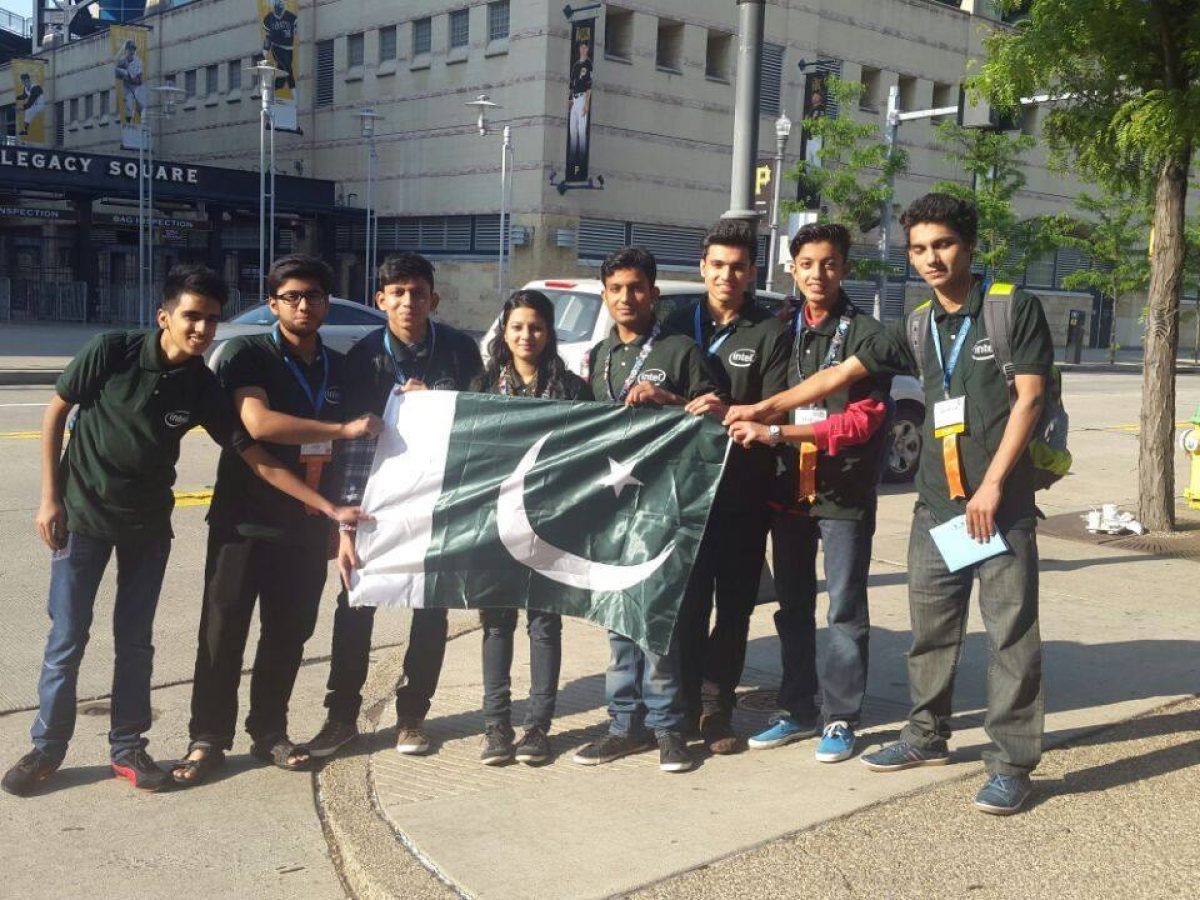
pixel 579 102
pixel 280 36
pixel 127 44
pixel 29 88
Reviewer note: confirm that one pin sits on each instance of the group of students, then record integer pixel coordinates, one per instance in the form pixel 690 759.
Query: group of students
pixel 805 396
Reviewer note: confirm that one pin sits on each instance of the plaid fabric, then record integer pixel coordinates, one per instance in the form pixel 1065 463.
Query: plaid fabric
pixel 357 456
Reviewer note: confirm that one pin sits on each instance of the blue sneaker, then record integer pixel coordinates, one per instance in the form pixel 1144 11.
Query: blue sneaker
pixel 784 729
pixel 903 755
pixel 1003 795
pixel 837 743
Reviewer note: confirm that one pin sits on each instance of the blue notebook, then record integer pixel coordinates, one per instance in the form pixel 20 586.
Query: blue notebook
pixel 959 549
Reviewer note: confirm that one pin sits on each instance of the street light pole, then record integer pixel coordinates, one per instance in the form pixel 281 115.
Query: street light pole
pixel 168 93
pixel 266 171
pixel 483 103
pixel 367 118
pixel 783 128
pixel 891 129
pixel 751 18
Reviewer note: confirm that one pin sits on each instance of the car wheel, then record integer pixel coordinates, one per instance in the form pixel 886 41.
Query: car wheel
pixel 904 449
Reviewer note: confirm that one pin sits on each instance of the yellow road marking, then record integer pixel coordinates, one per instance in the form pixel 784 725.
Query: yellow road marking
pixel 1135 427
pixel 193 498
pixel 21 435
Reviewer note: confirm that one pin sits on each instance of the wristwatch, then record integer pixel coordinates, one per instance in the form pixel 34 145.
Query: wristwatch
pixel 774 434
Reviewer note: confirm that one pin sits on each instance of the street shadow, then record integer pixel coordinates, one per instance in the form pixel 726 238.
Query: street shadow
pixel 66 779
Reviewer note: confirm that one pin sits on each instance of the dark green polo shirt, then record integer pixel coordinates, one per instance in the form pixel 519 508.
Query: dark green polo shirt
pixel 134 409
pixel 448 360
pixel 751 361
pixel 845 482
pixel 673 364
pixel 573 388
pixel 242 501
pixel 978 378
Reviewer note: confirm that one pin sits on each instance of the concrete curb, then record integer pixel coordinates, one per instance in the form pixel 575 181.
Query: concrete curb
pixel 1123 368
pixel 44 377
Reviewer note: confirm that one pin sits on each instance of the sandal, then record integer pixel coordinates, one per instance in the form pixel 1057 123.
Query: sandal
pixel 192 772
pixel 280 752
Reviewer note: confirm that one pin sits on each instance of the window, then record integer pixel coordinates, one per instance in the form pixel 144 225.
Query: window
pixel 212 80
pixel 668 52
pixel 74 109
pixel 908 92
pixel 233 70
pixel 460 28
pixel 869 100
pixel 189 83
pixel 770 80
pixel 387 43
pixel 60 124
pixel 618 34
pixel 716 58
pixel 498 21
pixel 422 36
pixel 324 93
pixel 944 95
pixel 8 121
pixel 103 104
pixel 355 49
pixel 87 106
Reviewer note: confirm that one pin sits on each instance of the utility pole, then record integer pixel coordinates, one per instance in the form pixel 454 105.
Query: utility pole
pixel 783 128
pixel 891 129
pixel 751 19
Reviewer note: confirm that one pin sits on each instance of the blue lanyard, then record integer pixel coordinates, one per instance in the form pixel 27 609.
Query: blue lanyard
pixel 318 399
pixel 401 378
pixel 718 339
pixel 960 341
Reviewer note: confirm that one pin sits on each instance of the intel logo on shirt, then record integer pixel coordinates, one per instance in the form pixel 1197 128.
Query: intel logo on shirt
pixel 742 358
pixel 178 418
pixel 982 350
pixel 653 376
pixel 333 396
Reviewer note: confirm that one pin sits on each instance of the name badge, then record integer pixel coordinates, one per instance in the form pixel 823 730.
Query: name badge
pixel 949 417
pixel 809 415
pixel 318 450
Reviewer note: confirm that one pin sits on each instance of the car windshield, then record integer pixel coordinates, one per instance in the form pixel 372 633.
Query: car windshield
pixel 575 314
pixel 259 314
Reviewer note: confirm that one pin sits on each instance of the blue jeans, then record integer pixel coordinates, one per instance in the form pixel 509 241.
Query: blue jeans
pixel 643 689
pixel 75 574
pixel 545 663
pixel 843 682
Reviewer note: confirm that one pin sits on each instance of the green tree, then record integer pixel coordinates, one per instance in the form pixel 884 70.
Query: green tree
pixel 1113 233
pixel 1126 75
pixel 854 172
pixel 993 161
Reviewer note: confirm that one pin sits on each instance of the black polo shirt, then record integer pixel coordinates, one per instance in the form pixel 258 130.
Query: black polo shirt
pixel 573 388
pixel 673 364
pixel 134 409
pixel 447 360
pixel 242 501
pixel 845 482
pixel 977 378
pixel 751 362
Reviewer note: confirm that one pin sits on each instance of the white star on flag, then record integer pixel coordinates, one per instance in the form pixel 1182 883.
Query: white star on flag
pixel 619 477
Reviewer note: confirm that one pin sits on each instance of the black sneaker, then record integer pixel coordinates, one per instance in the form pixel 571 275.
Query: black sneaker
pixel 497 745
pixel 332 737
pixel 31 770
pixel 534 746
pixel 610 747
pixel 673 753
pixel 141 770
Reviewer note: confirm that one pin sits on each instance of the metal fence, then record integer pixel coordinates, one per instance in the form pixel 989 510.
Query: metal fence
pixel 46 301
pixel 5 298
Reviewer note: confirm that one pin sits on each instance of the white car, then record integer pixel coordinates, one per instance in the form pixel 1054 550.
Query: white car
pixel 346 323
pixel 581 321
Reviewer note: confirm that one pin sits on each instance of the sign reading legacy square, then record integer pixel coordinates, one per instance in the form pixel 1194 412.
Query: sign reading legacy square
pixel 66 171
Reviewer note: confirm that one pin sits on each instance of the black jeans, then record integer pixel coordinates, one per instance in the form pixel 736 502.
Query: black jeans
pixel 729 562
pixel 287 581
pixel 352 626
pixel 545 661
pixel 843 680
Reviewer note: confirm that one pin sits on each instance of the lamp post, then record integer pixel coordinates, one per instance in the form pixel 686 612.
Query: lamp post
pixel 169 93
pixel 783 128
pixel 483 103
pixel 367 119
pixel 266 171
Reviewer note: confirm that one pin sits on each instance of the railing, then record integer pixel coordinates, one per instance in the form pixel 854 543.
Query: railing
pixel 5 299
pixel 10 21
pixel 47 301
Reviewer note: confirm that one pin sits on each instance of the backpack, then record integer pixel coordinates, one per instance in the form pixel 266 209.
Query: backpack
pixel 1048 446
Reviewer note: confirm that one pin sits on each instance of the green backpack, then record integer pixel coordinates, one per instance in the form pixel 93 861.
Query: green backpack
pixel 1048 446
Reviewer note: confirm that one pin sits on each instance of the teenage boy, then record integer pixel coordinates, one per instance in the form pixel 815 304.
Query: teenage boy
pixel 825 495
pixel 411 353
pixel 641 364
pixel 748 348
pixel 138 393
pixel 975 462
pixel 288 389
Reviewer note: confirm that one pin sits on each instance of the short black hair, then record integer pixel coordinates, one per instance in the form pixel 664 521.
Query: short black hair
pixel 299 265
pixel 637 258
pixel 818 232
pixel 943 209
pixel 405 267
pixel 193 278
pixel 733 233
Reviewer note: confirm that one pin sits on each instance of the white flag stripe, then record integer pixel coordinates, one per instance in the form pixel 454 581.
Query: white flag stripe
pixel 405 484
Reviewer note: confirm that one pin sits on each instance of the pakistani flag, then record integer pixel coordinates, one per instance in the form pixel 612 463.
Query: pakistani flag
pixel 583 509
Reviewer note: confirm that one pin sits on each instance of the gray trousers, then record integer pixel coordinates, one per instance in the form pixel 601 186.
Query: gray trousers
pixel 938 601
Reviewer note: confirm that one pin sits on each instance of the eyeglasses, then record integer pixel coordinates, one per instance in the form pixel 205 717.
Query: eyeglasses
pixel 293 298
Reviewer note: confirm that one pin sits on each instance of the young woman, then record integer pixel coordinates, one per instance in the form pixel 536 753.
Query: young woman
pixel 523 362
